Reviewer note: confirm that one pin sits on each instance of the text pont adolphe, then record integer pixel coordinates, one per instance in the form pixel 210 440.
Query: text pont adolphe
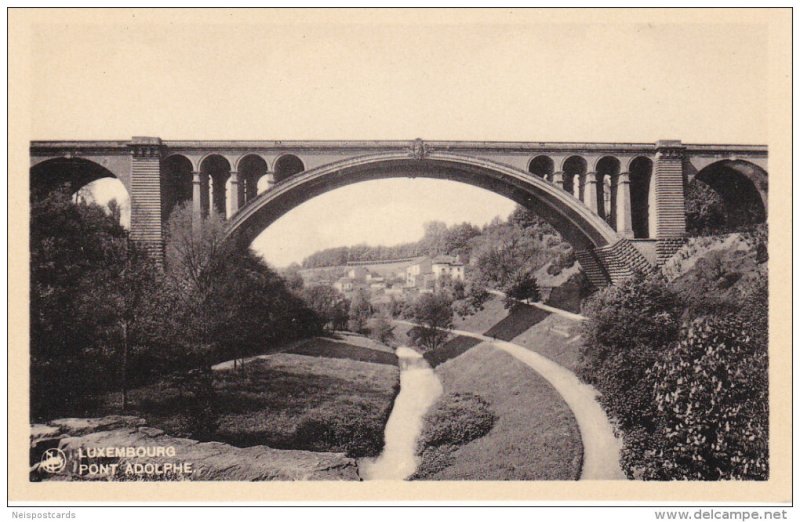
pixel 88 468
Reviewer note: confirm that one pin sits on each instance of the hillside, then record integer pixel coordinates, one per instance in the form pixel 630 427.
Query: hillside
pixel 718 266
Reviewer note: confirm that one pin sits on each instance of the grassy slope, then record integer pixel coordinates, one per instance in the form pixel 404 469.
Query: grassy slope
pixel 335 349
pixel 493 312
pixel 551 335
pixel 517 322
pixel 362 341
pixel 290 401
pixel 535 436
pixel 555 337
pixel 450 349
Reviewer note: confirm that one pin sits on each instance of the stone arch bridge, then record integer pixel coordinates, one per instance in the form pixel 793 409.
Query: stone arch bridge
pixel 621 205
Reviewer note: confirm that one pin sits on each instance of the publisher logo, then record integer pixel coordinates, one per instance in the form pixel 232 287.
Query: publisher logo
pixel 53 461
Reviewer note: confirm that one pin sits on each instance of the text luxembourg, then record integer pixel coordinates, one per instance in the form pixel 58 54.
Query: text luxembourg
pixel 127 452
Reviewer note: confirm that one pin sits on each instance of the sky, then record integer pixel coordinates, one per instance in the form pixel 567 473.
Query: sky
pixel 530 76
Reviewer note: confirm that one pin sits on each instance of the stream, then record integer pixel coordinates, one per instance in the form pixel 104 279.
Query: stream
pixel 419 389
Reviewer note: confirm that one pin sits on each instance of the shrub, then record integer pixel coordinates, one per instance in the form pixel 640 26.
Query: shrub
pixel 629 326
pixel 525 287
pixel 456 419
pixel 711 394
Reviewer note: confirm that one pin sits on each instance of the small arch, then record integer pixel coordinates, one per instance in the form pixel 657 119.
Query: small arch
pixel 640 171
pixel 287 165
pixel 192 159
pixel 574 168
pixel 607 171
pixel 740 190
pixel 81 179
pixel 176 182
pixel 215 171
pixel 67 174
pixel 251 168
pixel 542 166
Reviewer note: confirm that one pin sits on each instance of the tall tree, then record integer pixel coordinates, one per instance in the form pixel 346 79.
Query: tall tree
pixel 360 310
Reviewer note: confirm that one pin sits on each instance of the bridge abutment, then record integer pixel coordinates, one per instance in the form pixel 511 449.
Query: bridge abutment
pixel 145 195
pixel 670 205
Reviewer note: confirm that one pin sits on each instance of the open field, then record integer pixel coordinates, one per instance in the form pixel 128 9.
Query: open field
pixel 534 436
pixel 287 401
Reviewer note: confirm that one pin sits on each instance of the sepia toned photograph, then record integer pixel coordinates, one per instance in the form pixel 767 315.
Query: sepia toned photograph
pixel 401 254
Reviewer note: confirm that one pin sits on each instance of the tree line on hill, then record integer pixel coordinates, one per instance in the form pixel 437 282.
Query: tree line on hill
pixel 464 240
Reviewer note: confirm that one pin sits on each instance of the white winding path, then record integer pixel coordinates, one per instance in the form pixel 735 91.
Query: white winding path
pixel 601 449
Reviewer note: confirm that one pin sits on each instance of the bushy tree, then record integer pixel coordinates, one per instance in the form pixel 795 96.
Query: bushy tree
pixel 433 313
pixel 91 305
pixel 329 304
pixel 226 302
pixel 713 410
pixel 508 255
pixel 525 219
pixel 524 288
pixel 294 281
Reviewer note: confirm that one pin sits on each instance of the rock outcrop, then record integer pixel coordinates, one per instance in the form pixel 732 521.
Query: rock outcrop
pixel 124 448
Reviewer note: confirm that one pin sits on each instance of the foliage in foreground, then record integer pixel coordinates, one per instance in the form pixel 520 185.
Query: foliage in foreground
pixel 711 394
pixel 687 386
pixel 105 317
pixel 91 307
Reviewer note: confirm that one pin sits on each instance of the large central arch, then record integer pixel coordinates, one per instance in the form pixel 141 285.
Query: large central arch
pixel 579 225
pixel 582 228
